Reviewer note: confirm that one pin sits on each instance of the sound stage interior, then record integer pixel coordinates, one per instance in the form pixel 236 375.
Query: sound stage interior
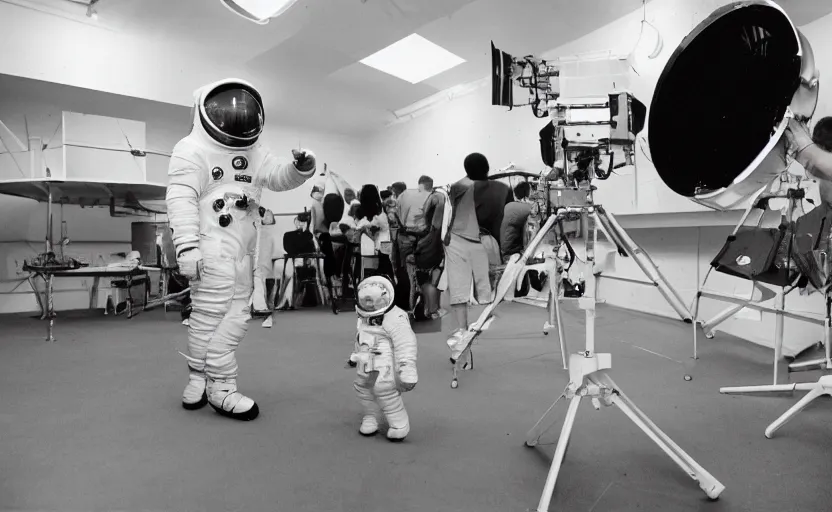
pixel 683 363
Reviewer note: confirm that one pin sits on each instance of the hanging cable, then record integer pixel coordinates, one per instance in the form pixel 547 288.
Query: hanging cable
pixel 659 42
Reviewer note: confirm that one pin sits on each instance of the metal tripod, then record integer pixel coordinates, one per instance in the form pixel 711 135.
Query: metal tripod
pixel 824 385
pixel 588 379
pixel 759 294
pixel 816 389
pixel 600 218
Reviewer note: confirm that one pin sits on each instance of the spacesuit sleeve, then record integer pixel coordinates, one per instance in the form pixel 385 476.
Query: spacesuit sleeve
pixel 187 180
pixel 397 326
pixel 278 176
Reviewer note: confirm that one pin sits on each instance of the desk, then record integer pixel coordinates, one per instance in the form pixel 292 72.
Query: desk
pixel 48 311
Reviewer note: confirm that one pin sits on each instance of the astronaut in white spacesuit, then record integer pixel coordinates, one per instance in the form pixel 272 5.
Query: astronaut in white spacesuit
pixel 217 174
pixel 385 356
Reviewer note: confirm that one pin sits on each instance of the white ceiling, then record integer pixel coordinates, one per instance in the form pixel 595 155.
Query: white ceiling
pixel 306 61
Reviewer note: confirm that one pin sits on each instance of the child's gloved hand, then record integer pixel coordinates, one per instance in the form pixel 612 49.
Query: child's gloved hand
pixel 408 377
pixel 352 362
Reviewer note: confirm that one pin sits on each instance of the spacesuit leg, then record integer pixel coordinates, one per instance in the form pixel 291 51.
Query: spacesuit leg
pixel 210 299
pixel 225 293
pixel 259 299
pixel 364 389
pixel 194 396
pixel 389 399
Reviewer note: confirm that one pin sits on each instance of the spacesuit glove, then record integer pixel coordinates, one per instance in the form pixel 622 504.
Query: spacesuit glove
pixel 408 377
pixel 189 263
pixel 304 160
pixel 352 362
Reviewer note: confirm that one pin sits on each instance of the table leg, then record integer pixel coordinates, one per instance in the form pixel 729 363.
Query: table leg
pixel 35 290
pixel 94 292
pixel 163 286
pixel 129 297
pixel 50 309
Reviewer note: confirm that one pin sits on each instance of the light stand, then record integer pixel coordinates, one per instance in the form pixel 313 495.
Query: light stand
pixel 50 280
pixel 599 217
pixel 816 389
pixel 587 369
pixel 588 379
pixel 824 385
pixel 758 294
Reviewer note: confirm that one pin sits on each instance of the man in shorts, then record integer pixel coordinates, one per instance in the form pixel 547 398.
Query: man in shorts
pixel 466 258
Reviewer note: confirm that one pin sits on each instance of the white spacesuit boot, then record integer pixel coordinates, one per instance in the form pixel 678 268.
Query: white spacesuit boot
pixel 217 174
pixel 385 355
pixel 364 389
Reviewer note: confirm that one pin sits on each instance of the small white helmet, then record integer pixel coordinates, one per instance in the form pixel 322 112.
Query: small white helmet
pixel 375 297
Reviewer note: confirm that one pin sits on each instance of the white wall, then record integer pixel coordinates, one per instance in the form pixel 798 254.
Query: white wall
pixel 436 142
pixel 684 256
pixel 77 54
pixel 94 234
pixel 681 236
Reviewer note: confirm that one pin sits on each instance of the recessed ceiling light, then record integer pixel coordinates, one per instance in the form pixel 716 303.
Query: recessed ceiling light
pixel 413 59
pixel 259 11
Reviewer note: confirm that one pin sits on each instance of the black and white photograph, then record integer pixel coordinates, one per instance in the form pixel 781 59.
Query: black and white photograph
pixel 250 251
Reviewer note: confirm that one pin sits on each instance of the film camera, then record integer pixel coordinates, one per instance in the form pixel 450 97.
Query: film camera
pixel 588 136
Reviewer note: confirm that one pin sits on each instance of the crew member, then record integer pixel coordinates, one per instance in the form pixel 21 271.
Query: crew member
pixel 411 213
pixel 513 228
pixel 477 212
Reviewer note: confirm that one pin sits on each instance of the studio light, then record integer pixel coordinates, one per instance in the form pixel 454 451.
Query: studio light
pixel 413 59
pixel 736 120
pixel 259 11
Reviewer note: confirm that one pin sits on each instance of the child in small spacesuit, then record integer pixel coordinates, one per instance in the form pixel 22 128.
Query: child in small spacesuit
pixel 385 357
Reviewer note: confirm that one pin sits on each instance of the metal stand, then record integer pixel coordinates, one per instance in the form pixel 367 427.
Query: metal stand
pixel 616 234
pixel 758 294
pixel 461 352
pixel 817 389
pixel 598 218
pixel 588 379
pixel 50 303
pixel 826 362
pixel 824 385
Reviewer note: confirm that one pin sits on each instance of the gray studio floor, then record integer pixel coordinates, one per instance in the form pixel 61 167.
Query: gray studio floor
pixel 93 422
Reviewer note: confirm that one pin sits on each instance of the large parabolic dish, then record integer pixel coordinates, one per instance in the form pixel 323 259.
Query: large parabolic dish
pixel 718 115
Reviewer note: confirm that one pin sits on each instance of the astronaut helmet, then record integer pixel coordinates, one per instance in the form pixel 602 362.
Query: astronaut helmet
pixel 374 297
pixel 231 112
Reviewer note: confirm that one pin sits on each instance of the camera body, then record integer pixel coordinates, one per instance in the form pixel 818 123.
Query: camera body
pixel 587 136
